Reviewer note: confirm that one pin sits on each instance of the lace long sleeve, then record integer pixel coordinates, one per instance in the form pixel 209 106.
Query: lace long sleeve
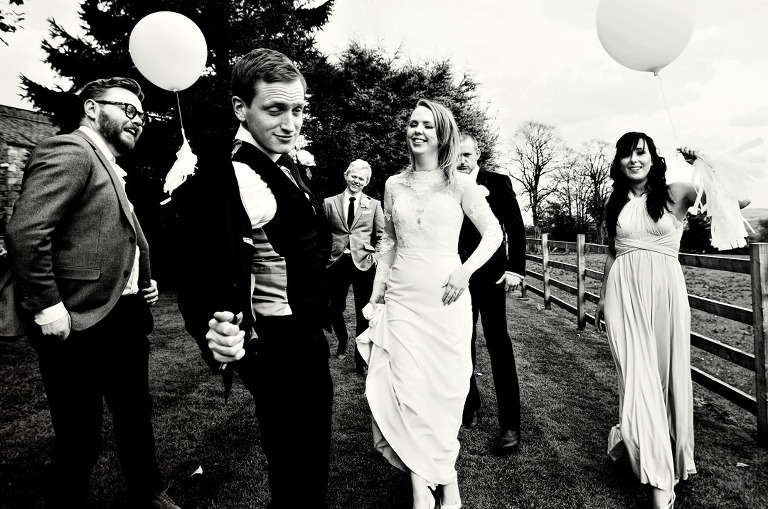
pixel 479 212
pixel 387 245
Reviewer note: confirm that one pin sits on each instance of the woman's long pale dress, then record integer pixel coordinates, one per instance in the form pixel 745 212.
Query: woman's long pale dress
pixel 418 350
pixel 648 323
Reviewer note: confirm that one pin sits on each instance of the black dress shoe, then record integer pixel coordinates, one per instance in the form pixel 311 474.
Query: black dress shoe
pixel 509 441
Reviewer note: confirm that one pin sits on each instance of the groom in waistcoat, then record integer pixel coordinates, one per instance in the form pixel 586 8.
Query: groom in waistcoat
pixel 357 223
pixel 254 294
pixel 488 287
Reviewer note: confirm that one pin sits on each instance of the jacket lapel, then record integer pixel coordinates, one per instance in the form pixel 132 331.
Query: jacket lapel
pixel 359 210
pixel 340 210
pixel 118 185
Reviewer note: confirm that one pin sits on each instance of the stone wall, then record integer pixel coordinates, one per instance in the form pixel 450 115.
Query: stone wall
pixel 12 161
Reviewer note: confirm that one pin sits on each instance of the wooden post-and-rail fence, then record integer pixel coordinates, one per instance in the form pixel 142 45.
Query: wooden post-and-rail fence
pixel 757 317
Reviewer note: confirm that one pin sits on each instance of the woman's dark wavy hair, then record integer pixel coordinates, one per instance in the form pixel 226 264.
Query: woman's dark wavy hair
pixel 657 191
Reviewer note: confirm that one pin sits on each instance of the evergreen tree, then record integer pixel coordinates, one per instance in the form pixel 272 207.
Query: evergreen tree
pixel 10 18
pixel 231 29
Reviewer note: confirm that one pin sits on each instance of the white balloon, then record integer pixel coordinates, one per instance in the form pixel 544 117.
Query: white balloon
pixel 169 49
pixel 645 35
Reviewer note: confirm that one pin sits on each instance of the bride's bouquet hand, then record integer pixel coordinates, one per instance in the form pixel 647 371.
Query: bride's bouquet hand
pixel 377 296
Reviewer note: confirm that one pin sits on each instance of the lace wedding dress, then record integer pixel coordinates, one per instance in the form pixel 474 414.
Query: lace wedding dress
pixel 418 350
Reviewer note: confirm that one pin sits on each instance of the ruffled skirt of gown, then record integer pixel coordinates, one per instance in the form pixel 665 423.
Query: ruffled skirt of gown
pixel 419 366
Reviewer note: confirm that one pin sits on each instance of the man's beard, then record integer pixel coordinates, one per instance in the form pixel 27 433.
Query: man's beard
pixel 111 130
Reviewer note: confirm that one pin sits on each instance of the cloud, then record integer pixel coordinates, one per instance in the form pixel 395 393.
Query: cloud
pixel 756 118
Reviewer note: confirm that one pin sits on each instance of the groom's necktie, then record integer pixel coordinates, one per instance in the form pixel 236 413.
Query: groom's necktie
pixel 351 212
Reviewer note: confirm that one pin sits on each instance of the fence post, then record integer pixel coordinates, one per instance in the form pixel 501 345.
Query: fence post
pixel 545 269
pixel 581 283
pixel 523 286
pixel 758 261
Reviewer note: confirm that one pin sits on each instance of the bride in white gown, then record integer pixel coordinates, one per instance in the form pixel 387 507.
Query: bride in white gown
pixel 418 347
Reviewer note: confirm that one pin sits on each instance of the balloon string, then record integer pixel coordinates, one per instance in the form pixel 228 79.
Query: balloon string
pixel 178 105
pixel 666 106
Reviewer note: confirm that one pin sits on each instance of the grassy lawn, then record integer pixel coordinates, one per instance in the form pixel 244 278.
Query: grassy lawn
pixel 570 401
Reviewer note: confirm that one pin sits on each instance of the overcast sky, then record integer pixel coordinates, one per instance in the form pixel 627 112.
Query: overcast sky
pixel 537 60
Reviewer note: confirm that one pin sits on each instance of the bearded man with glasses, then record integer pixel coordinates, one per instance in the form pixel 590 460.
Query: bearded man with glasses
pixel 80 264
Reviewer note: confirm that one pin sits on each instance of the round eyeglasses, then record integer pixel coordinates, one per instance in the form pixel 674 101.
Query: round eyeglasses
pixel 130 111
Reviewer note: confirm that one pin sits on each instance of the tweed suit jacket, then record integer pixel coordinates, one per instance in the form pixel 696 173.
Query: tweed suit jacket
pixel 361 239
pixel 73 237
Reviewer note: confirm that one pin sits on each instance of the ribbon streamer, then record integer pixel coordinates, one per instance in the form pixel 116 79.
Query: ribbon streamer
pixel 185 163
pixel 724 179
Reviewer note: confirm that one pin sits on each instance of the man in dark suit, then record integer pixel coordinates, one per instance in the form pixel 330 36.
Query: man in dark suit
pixel 356 222
pixel 253 294
pixel 80 262
pixel 488 287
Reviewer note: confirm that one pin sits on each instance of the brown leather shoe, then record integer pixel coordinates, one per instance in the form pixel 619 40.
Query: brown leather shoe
pixel 508 443
pixel 162 501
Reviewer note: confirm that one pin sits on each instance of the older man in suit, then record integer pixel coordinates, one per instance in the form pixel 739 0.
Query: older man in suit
pixel 488 287
pixel 357 223
pixel 81 265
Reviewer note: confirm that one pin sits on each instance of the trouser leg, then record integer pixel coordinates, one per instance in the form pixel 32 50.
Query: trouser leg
pixel 338 281
pixel 293 392
pixel 128 398
pixel 473 401
pixel 362 287
pixel 75 402
pixel 493 312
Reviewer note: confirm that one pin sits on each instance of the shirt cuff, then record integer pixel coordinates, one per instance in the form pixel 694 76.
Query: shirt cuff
pixel 513 274
pixel 50 314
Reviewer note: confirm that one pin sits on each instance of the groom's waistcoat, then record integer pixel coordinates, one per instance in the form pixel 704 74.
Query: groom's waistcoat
pixel 288 266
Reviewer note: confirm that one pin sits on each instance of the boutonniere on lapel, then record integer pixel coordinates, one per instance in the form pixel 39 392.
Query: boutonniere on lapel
pixel 303 158
pixel 365 202
pixel 483 190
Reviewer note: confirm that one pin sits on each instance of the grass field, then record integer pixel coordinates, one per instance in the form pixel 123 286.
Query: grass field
pixel 569 400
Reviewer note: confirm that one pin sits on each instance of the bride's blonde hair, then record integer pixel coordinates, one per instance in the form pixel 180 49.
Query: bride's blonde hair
pixel 448 142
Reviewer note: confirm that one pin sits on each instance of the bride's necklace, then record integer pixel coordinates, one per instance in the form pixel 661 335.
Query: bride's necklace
pixel 424 183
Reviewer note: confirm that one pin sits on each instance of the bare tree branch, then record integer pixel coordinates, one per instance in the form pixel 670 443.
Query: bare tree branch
pixel 537 153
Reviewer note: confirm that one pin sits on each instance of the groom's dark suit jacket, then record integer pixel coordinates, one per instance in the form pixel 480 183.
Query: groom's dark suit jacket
pixel 73 236
pixel 219 254
pixel 511 254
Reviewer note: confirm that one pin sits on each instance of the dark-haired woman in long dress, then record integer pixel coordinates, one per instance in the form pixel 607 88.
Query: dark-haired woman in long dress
pixel 645 305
